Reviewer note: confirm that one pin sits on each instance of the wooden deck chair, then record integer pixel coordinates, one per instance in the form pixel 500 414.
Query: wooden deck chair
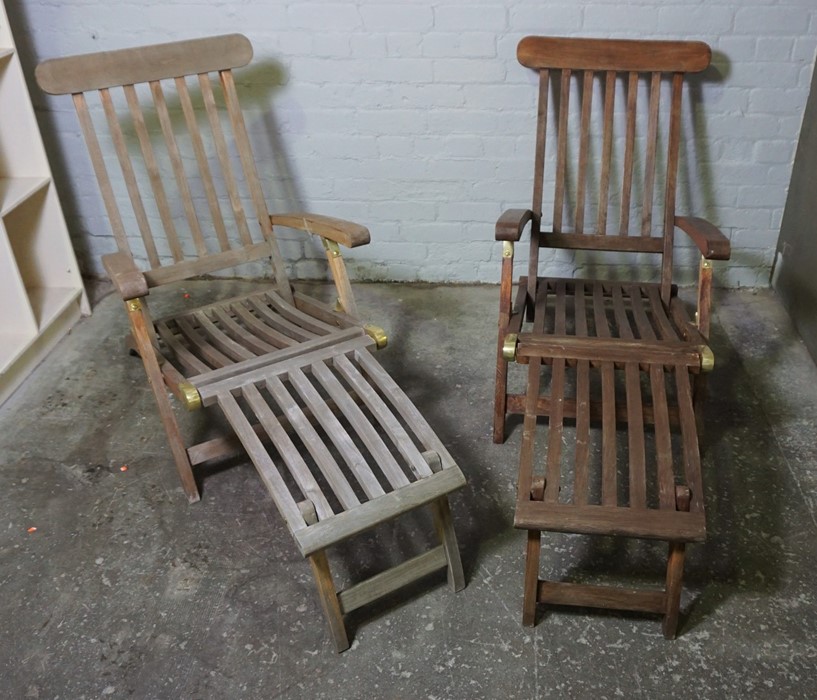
pixel 619 356
pixel 337 443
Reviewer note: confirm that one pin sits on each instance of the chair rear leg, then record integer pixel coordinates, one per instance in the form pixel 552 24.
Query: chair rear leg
pixel 329 600
pixel 531 590
pixel 444 525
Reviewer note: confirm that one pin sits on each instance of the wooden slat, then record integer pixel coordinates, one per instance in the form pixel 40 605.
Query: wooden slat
pixel 128 175
pixel 240 334
pixel 198 342
pixel 561 151
pixel 178 167
pixel 629 147
pixel 606 151
pixel 392 579
pixel 612 54
pixel 363 428
pixel 584 145
pixel 263 463
pixel 595 242
pixel 557 391
pixel 223 154
pixel 382 414
pixel 337 433
pixel 313 443
pixel 204 165
pixel 186 358
pixel 663 440
pixel 350 523
pixel 538 180
pixel 154 175
pixel 259 305
pixel 403 405
pixel 292 313
pixel 649 163
pixel 205 265
pixel 242 143
pixel 586 595
pixel 673 526
pixel 582 407
pixel 674 139
pixel 261 329
pixel 526 454
pixel 75 74
pixel 608 401
pixel 101 172
pixel 659 314
pixel 689 439
pixel 289 453
pixel 219 339
pixel 259 368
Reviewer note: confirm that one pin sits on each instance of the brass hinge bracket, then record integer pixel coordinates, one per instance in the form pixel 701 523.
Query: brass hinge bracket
pixel 377 334
pixel 338 306
pixel 509 347
pixel 331 247
pixel 134 305
pixel 507 249
pixel 707 358
pixel 189 396
pixel 706 264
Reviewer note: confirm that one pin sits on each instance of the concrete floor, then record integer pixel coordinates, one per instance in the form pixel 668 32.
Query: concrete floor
pixel 124 590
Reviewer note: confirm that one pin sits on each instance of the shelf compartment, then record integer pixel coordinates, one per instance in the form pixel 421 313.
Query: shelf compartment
pixel 14 191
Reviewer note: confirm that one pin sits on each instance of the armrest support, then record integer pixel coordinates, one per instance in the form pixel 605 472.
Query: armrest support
pixel 708 237
pixel 344 233
pixel 126 277
pixel 511 223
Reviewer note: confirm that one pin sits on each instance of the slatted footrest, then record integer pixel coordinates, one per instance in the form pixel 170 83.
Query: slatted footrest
pixel 613 464
pixel 349 450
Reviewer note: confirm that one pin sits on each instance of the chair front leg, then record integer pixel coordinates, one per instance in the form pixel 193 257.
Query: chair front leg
pixel 142 329
pixel 501 381
pixel 346 297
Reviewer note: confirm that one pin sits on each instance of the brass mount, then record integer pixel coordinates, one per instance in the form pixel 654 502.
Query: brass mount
pixel 509 347
pixel 189 396
pixel 377 334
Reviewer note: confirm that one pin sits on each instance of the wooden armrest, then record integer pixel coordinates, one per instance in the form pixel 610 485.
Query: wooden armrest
pixel 708 237
pixel 344 233
pixel 511 223
pixel 126 277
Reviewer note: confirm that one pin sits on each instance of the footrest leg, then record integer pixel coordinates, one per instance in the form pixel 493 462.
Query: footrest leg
pixel 533 550
pixel 675 572
pixel 329 600
pixel 445 531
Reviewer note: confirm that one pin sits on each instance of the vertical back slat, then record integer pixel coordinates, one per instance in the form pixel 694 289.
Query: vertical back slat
pixel 224 158
pixel 674 139
pixel 606 150
pixel 538 181
pixel 561 151
pixel 178 166
pixel 154 175
pixel 629 147
pixel 649 163
pixel 204 165
pixel 250 173
pixel 101 172
pixel 584 147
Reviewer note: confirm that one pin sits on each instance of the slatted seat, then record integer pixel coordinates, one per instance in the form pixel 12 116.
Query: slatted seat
pixel 338 445
pixel 617 367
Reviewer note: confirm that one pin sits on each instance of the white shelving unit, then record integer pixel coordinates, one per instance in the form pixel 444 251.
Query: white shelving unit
pixel 41 293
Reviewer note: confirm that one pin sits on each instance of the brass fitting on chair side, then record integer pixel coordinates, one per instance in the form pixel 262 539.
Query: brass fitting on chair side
pixel 377 334
pixel 706 264
pixel 507 249
pixel 134 305
pixel 331 247
pixel 707 358
pixel 509 347
pixel 189 396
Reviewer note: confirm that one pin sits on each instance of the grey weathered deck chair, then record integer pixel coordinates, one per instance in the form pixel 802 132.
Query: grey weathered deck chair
pixel 621 357
pixel 336 442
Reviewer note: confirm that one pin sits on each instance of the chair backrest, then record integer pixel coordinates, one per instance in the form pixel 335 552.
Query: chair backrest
pixel 609 142
pixel 183 160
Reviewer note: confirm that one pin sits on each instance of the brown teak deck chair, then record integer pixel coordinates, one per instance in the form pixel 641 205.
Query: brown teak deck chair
pixel 337 443
pixel 616 367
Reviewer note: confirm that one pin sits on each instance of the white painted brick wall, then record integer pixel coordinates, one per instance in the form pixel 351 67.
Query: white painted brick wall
pixel 415 119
